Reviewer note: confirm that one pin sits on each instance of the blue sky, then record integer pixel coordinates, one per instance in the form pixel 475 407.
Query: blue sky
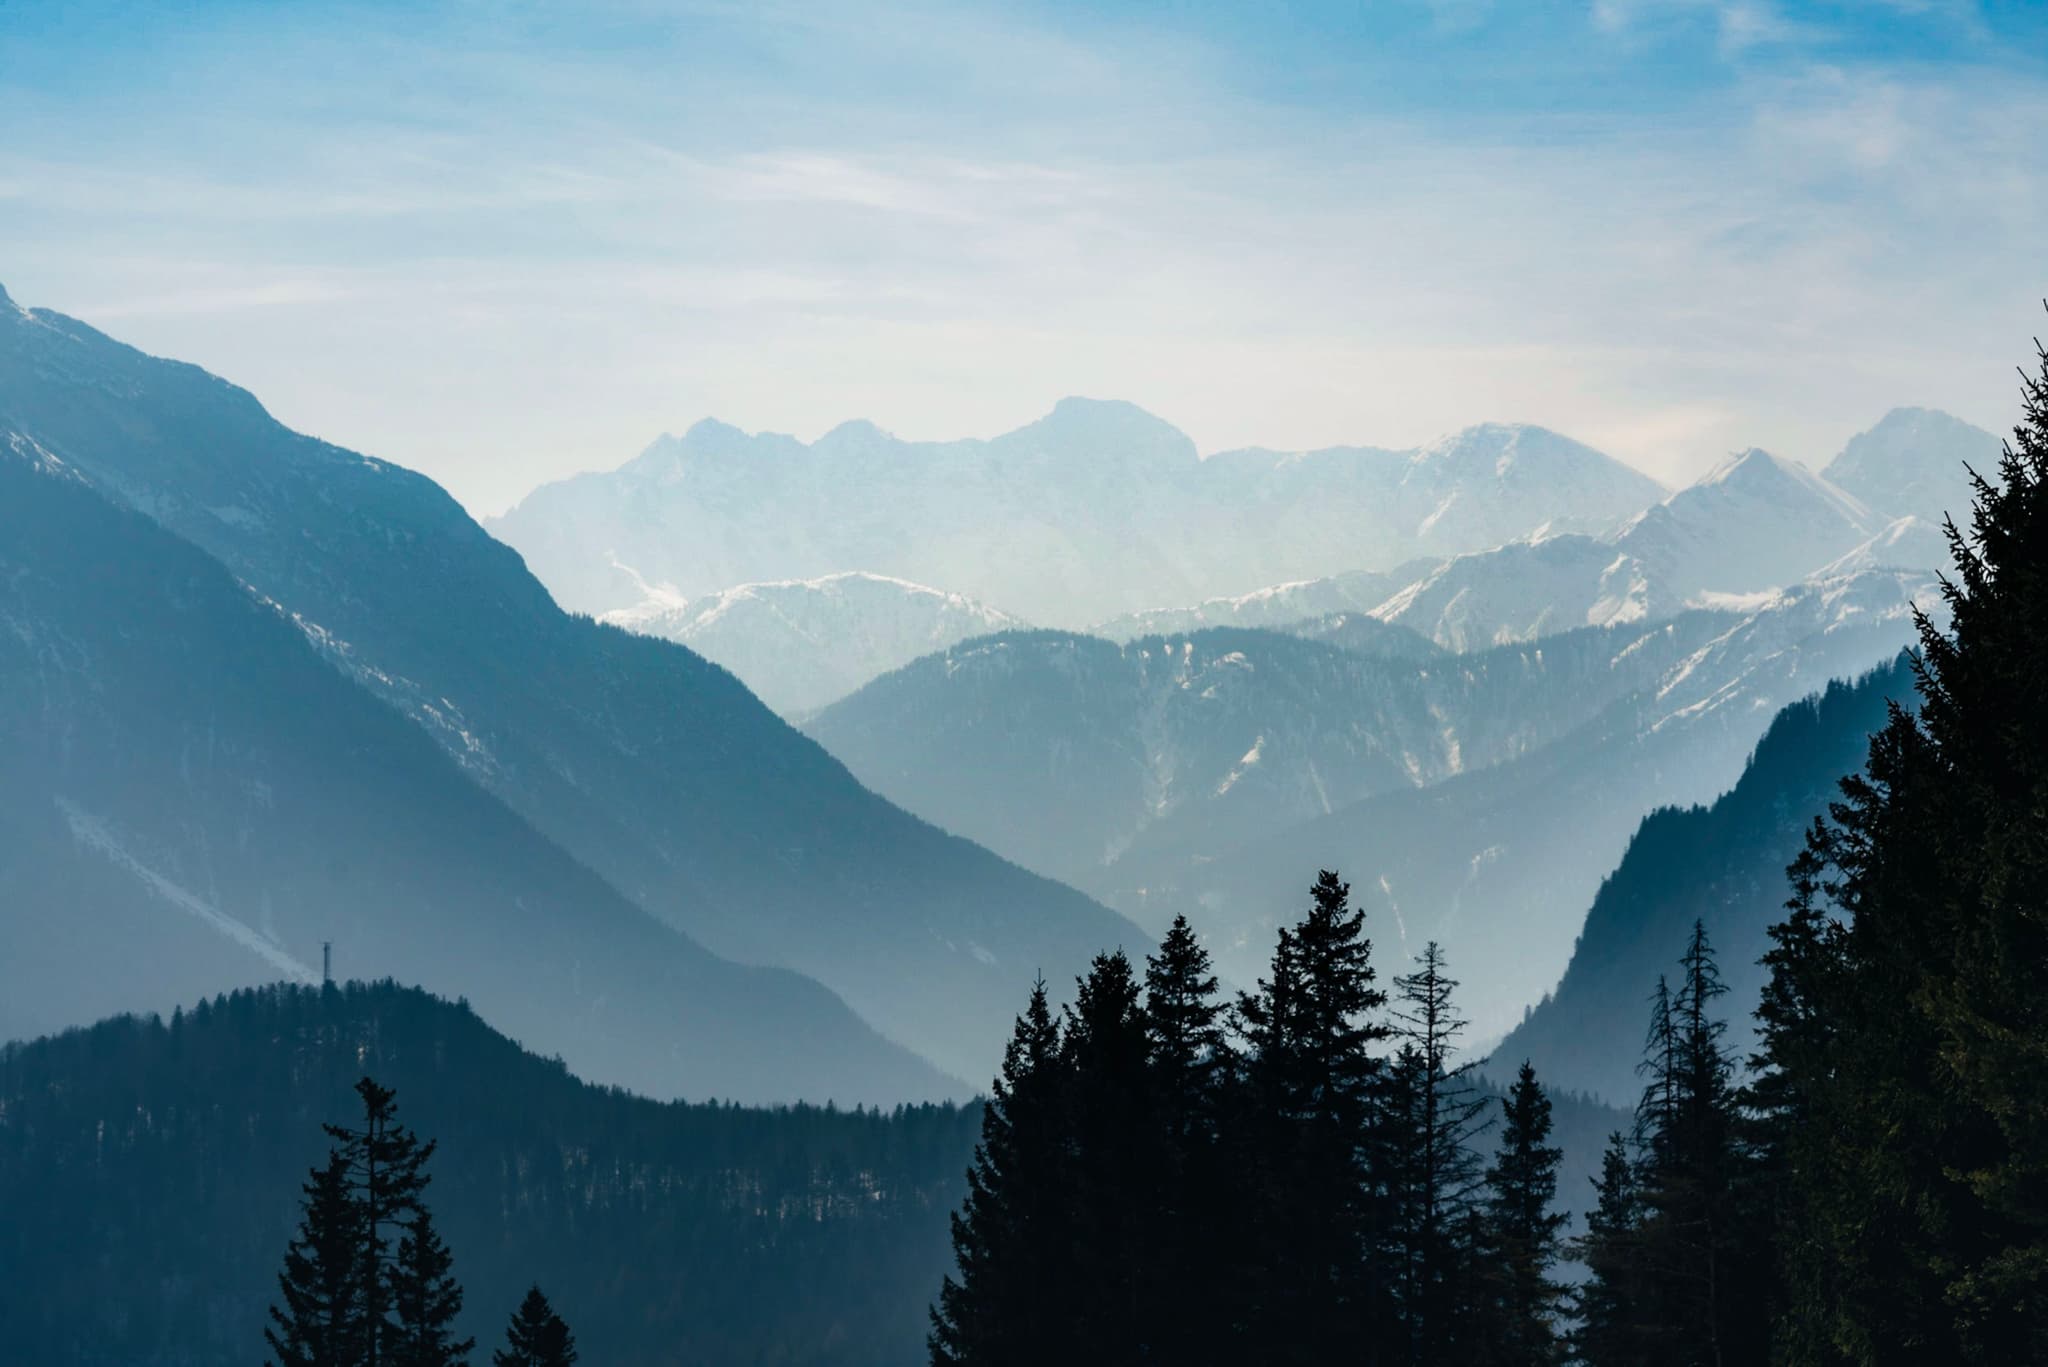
pixel 502 242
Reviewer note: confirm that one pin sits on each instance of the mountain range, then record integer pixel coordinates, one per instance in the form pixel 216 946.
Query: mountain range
pixel 1476 799
pixel 646 764
pixel 196 801
pixel 802 643
pixel 1096 510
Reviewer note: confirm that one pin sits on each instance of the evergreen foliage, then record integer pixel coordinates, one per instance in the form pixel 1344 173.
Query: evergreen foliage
pixel 1522 1305
pixel 537 1336
pixel 164 1158
pixel 1902 1105
pixel 1152 1187
pixel 1429 1121
pixel 320 1320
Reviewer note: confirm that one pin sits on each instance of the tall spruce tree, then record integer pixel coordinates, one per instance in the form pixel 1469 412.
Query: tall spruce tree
pixel 1433 1114
pixel 1013 1237
pixel 386 1164
pixel 1311 1038
pixel 1182 1024
pixel 537 1336
pixel 1117 1161
pixel 1909 1002
pixel 319 1322
pixel 1611 1330
pixel 1199 1210
pixel 1690 1177
pixel 1523 1313
pixel 425 1298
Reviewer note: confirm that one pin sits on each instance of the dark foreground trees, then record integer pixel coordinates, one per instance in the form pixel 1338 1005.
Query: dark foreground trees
pixel 537 1336
pixel 1903 1101
pixel 1877 1192
pixel 1163 1178
pixel 367 1280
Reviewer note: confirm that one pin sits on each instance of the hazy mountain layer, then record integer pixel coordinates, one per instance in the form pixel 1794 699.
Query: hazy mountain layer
pixel 1070 754
pixel 195 801
pixel 802 643
pixel 1723 865
pixel 1912 464
pixel 1279 606
pixel 1096 510
pixel 1500 863
pixel 652 766
pixel 1753 524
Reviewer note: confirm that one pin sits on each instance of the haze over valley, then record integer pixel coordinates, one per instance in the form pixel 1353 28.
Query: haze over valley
pixel 872 683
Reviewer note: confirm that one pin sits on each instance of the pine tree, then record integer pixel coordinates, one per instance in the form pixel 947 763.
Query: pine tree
pixel 320 1322
pixel 1433 1116
pixel 1523 1232
pixel 537 1336
pixel 1116 1167
pixel 1182 1016
pixel 1610 1303
pixel 1013 1235
pixel 1311 1071
pixel 1689 1176
pixel 425 1298
pixel 386 1165
pixel 1911 1001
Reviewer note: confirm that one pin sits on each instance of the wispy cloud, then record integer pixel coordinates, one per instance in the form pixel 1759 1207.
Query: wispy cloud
pixel 501 249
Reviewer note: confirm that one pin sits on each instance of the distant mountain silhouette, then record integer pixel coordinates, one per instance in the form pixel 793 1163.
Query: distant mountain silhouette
pixel 1096 510
pixel 195 800
pixel 643 761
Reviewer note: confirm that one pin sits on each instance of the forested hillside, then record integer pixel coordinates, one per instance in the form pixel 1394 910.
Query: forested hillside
pixel 150 1173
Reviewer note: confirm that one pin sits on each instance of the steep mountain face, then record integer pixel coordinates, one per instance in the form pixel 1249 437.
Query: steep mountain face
pixel 1723 865
pixel 1904 541
pixel 1524 590
pixel 802 643
pixel 1095 511
pixel 1912 464
pixel 1073 755
pixel 165 1160
pixel 1755 524
pixel 645 762
pixel 1279 606
pixel 195 800
pixel 1497 863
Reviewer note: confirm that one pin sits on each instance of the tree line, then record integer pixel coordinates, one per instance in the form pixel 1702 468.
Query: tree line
pixel 1299 1176
pixel 368 1280
pixel 1168 1177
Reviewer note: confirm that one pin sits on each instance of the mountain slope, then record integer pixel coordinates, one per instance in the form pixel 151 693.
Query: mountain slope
pixel 149 1172
pixel 1094 511
pixel 1754 524
pixel 1278 606
pixel 1499 863
pixel 1072 755
pixel 1723 864
pixel 1912 464
pixel 802 643
pixel 195 801
pixel 650 765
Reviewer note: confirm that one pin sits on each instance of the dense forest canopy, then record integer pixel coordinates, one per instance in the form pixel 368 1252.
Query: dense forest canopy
pixel 166 1159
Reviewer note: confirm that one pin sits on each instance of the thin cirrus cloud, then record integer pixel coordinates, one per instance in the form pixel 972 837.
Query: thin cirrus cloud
pixel 501 247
